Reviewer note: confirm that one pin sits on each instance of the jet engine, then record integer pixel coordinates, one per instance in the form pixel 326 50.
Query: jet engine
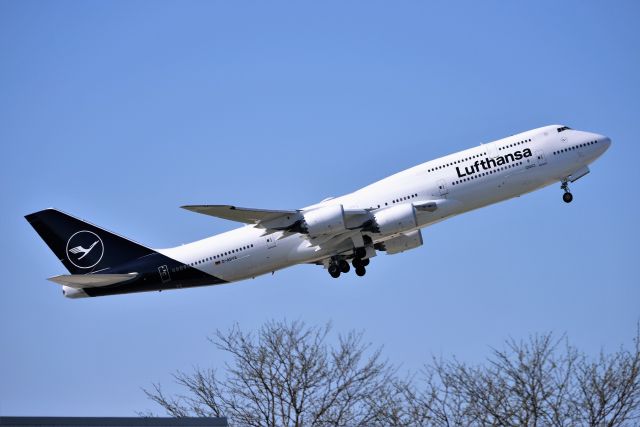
pixel 401 243
pixel 395 219
pixel 324 220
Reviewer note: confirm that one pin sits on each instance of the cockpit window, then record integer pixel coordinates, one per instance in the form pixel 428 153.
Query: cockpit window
pixel 563 128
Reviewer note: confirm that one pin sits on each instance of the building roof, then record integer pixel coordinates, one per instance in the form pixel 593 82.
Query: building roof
pixel 115 421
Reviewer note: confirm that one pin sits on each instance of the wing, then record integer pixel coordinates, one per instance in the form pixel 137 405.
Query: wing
pixel 79 281
pixel 246 215
pixel 355 222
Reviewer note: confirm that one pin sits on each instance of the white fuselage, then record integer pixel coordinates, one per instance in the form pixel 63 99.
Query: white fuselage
pixel 460 182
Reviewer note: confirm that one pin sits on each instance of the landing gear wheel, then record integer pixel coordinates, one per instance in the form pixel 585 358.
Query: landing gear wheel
pixel 360 252
pixel 344 266
pixel 334 271
pixel 365 262
pixel 567 197
pixel 361 271
pixel 357 262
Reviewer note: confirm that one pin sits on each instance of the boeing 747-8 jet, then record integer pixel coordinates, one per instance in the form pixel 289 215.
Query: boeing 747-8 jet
pixel 336 233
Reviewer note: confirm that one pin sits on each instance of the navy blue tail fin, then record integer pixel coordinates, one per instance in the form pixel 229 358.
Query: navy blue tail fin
pixel 83 247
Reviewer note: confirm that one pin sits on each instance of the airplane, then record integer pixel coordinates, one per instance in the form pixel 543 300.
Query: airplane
pixel 336 233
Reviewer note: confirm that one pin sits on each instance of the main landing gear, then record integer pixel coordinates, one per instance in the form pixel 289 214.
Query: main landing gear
pixel 359 264
pixel 342 266
pixel 567 196
pixel 334 270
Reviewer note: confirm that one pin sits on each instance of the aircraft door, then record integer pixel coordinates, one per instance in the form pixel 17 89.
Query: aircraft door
pixel 491 150
pixel 270 258
pixel 271 241
pixel 164 273
pixel 442 187
pixel 542 160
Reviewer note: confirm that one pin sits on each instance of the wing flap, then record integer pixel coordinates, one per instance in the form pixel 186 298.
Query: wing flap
pixel 79 281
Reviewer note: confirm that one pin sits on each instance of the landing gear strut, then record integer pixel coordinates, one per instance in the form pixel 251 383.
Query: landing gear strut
pixel 360 252
pixel 567 196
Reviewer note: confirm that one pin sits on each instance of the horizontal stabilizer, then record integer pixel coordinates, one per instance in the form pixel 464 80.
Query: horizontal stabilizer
pixel 246 215
pixel 79 281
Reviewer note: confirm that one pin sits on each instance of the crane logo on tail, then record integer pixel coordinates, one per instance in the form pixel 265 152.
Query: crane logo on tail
pixel 85 249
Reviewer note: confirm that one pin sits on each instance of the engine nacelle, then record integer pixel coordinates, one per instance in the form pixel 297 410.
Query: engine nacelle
pixel 395 219
pixel 403 242
pixel 324 220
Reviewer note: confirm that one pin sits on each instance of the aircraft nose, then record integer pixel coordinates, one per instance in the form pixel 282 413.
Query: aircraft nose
pixel 606 142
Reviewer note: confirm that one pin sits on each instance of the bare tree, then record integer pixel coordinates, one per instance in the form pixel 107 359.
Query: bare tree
pixel 286 374
pixel 531 383
pixel 608 389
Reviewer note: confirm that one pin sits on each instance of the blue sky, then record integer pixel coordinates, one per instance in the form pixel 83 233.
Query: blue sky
pixel 120 112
